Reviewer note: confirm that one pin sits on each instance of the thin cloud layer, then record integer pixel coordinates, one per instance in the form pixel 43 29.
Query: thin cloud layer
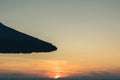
pixel 95 76
pixel 13 41
pixel 49 69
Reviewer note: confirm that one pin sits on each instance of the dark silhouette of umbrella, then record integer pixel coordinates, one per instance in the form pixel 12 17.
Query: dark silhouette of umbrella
pixel 13 41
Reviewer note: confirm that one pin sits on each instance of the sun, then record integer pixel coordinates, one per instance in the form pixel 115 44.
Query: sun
pixel 57 76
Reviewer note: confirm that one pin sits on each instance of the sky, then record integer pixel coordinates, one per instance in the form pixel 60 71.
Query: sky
pixel 86 32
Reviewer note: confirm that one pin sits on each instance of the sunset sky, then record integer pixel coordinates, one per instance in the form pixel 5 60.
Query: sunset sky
pixel 86 32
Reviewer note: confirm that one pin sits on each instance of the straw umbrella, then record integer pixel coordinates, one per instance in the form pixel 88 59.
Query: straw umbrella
pixel 13 41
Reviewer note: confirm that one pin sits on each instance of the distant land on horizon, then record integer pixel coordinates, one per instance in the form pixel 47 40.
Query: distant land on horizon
pixel 90 76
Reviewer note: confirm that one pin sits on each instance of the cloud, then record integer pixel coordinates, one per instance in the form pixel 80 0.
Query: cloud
pixel 48 69
pixel 13 41
pixel 20 76
pixel 100 75
pixel 93 76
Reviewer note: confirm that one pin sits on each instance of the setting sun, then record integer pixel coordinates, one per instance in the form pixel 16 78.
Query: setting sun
pixel 57 76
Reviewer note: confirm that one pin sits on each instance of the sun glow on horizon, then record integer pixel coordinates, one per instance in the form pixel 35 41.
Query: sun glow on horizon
pixel 57 76
pixel 52 69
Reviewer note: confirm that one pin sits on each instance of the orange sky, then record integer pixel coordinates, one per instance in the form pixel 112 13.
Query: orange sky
pixel 49 68
pixel 86 32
